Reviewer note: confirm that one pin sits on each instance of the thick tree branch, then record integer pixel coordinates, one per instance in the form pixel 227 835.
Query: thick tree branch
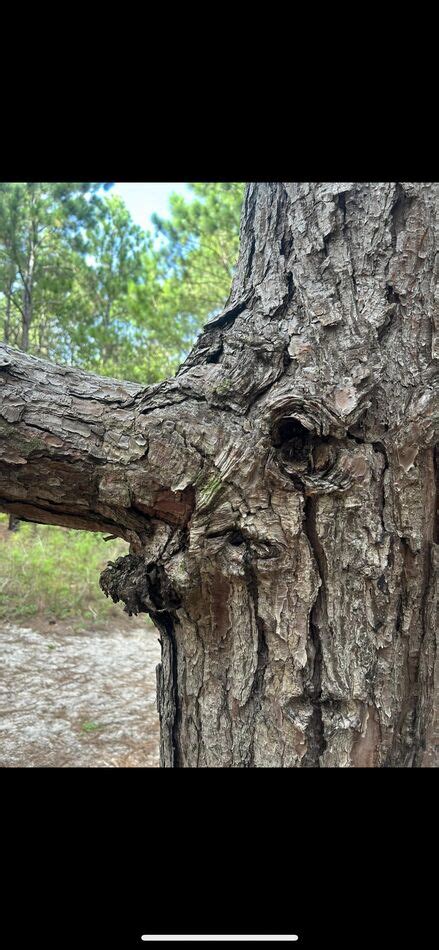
pixel 78 450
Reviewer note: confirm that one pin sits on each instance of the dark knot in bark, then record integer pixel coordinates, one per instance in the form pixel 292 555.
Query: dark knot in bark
pixel 317 463
pixel 143 587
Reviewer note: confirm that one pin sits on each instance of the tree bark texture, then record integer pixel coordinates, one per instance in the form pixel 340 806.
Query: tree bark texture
pixel 279 494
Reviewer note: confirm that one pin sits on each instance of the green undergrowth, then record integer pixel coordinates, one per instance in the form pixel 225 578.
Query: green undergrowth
pixel 53 573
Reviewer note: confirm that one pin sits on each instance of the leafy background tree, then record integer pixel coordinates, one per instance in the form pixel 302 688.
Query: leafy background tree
pixel 201 241
pixel 41 240
pixel 81 283
pixel 98 322
pixel 191 272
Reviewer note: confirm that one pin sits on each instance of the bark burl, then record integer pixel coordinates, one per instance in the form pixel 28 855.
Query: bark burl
pixel 279 494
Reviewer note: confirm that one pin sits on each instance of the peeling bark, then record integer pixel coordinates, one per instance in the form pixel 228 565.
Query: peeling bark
pixel 279 494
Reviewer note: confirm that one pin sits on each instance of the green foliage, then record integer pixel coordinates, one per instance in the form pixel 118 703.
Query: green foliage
pixel 41 242
pixel 91 726
pixel 81 283
pixel 201 240
pixel 55 572
pixel 185 279
pixel 99 322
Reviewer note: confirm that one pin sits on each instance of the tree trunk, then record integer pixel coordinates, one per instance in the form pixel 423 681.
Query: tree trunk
pixel 279 494
pixel 7 320
pixel 26 317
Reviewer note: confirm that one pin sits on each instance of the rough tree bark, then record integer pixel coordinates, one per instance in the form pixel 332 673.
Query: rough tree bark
pixel 279 494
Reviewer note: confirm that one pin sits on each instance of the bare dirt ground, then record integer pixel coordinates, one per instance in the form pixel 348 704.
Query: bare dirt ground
pixel 84 699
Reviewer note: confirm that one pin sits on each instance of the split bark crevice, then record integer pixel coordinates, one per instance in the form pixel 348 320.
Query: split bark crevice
pixel 313 688
pixel 279 494
pixel 257 690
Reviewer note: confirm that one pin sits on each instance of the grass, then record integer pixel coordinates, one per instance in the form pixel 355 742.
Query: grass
pixel 54 573
pixel 91 726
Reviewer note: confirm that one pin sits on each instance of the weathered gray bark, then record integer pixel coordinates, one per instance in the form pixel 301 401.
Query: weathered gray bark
pixel 279 494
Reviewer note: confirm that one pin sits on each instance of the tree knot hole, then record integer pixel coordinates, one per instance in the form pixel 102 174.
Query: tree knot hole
pixel 293 441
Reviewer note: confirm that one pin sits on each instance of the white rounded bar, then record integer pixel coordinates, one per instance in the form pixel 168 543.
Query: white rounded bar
pixel 266 937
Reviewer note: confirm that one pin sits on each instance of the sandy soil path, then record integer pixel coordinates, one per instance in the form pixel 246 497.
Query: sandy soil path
pixel 78 699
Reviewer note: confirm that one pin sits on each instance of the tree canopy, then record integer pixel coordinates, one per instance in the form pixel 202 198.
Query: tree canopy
pixel 81 283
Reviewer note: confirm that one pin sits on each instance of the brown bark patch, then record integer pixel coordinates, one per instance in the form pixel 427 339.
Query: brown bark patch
pixel 365 749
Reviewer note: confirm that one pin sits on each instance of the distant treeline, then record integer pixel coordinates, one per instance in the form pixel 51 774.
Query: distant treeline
pixel 81 283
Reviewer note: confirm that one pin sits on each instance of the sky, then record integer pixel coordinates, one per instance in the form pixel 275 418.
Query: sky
pixel 144 198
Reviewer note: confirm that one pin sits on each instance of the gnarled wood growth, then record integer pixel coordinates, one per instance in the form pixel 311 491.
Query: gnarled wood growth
pixel 279 495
